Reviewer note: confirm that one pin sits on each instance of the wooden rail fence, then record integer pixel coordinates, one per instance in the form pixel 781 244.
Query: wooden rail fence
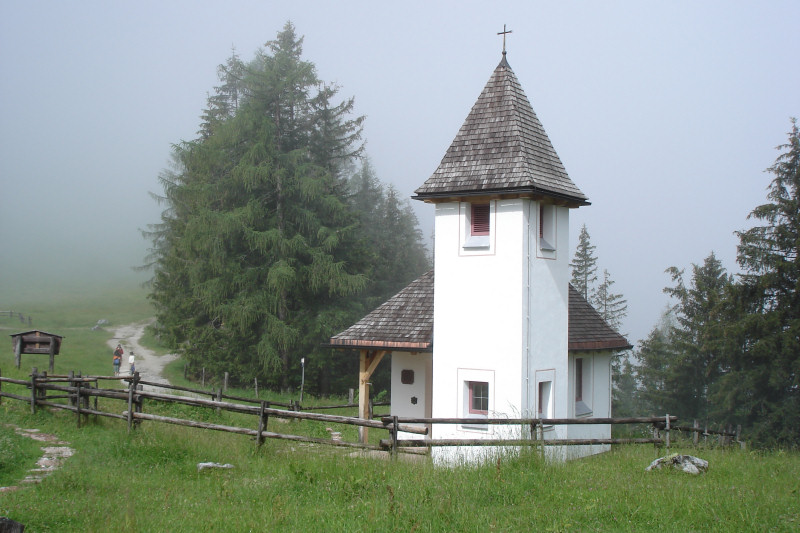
pixel 82 394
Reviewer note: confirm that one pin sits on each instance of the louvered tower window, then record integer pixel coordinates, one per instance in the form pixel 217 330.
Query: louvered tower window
pixel 479 220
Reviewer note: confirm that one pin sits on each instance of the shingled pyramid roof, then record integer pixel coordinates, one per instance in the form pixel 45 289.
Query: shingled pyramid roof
pixel 405 322
pixel 501 148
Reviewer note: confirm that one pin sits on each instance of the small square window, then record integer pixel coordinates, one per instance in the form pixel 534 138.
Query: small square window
pixel 407 377
pixel 478 397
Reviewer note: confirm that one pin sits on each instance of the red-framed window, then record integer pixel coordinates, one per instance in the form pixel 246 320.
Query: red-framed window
pixel 479 220
pixel 478 397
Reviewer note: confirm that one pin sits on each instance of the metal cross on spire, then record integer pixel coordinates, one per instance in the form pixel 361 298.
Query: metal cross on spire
pixel 503 33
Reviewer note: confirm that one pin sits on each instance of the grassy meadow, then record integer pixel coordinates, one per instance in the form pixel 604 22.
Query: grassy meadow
pixel 148 480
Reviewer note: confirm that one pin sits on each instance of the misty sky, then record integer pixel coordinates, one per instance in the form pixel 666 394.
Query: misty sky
pixel 664 114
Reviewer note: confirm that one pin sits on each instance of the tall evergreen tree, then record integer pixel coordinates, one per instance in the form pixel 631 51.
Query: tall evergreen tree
pixel 584 265
pixel 263 252
pixel 258 232
pixel 698 337
pixel 762 386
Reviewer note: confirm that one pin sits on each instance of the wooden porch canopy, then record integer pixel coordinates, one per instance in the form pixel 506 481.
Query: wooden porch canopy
pixel 403 323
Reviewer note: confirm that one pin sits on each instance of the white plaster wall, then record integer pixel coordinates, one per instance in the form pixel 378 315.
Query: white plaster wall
pixel 601 404
pixel 499 311
pixel 477 315
pixel 403 394
pixel 547 327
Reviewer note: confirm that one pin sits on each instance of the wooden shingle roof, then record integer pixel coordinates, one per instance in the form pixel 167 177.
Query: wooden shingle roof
pixel 587 329
pixel 405 322
pixel 501 148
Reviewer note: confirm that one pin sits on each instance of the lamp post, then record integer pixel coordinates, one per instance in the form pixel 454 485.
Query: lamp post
pixel 302 377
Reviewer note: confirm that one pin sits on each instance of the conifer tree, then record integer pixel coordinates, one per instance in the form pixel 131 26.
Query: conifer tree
pixel 698 336
pixel 262 254
pixel 584 265
pixel 761 388
pixel 258 231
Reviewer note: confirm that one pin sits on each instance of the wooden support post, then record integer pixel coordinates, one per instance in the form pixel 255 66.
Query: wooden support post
pixel 18 352
pixel 219 399
pixel 263 419
pixel 540 437
pixel 225 383
pixel 394 437
pixel 667 430
pixel 696 434
pixel 52 355
pixel 368 361
pixel 131 387
pixel 71 383
pixel 350 396
pixel 77 385
pixel 33 389
pixel 255 386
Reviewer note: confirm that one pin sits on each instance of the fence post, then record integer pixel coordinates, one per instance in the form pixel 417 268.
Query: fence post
pixel 263 419
pixel 131 387
pixel 696 433
pixel 203 381
pixel 71 384
pixel 33 390
pixel 540 436
pixel 77 385
pixel 219 399
pixel 1 387
pixel 350 396
pixel 667 430
pixel 394 437
pixel 225 383
pixel 255 384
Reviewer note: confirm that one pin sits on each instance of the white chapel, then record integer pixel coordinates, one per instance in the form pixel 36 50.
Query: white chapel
pixel 495 330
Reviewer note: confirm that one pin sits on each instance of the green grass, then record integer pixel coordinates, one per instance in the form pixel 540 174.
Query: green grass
pixel 148 480
pixel 18 454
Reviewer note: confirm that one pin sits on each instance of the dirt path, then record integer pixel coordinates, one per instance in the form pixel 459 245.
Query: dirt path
pixel 148 364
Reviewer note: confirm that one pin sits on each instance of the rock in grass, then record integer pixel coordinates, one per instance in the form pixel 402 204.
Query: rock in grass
pixel 687 463
pixel 10 526
pixel 203 466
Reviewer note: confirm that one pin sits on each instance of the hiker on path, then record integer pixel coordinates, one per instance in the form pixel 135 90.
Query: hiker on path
pixel 130 362
pixel 117 360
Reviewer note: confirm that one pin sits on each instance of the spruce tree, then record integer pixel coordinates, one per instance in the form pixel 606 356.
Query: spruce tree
pixel 258 228
pixel 263 251
pixel 584 265
pixel 761 389
pixel 698 336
